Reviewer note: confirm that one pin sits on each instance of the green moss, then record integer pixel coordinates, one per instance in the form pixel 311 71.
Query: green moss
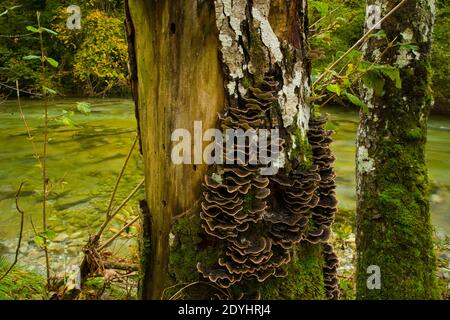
pixel 415 134
pixel 189 248
pixel 185 251
pixel 397 222
pixel 304 280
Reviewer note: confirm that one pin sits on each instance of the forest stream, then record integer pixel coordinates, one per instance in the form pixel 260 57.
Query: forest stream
pixel 84 160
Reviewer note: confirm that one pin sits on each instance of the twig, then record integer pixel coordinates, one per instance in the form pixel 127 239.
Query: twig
pixel 114 237
pixel 22 115
pixel 119 177
pixel 116 210
pixel 22 215
pixel 359 42
pixel 12 88
pixel 325 16
pixel 378 58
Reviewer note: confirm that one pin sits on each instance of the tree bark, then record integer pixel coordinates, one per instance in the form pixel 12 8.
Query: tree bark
pixel 393 219
pixel 194 60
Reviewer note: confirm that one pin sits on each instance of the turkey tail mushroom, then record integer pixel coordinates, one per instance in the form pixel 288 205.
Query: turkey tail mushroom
pixel 324 212
pixel 330 272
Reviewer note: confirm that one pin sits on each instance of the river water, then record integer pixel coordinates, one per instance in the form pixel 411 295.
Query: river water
pixel 84 160
pixel 345 123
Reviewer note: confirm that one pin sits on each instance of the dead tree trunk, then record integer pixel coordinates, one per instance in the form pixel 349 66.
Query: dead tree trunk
pixel 394 231
pixel 195 60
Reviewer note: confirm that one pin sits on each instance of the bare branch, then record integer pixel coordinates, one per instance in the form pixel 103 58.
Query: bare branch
pixel 22 215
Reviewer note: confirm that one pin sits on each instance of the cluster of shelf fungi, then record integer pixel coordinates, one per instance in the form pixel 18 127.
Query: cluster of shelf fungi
pixel 258 219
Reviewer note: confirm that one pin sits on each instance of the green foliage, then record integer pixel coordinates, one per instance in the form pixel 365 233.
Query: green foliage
pixel 52 62
pixel 66 118
pixel 356 101
pixel 373 79
pixel 334 88
pixel 84 107
pixel 91 60
pixel 98 52
pixel 20 284
pixel 337 25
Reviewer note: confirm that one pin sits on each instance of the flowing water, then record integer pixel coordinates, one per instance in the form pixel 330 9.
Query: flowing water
pixel 84 160
pixel 83 163
pixel 345 123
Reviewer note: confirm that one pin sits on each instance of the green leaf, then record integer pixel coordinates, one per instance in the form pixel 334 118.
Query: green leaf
pixel 66 120
pixel 335 88
pixel 321 7
pixel 32 29
pixel 50 31
pixel 49 90
pixel 39 241
pixel 363 66
pixel 52 62
pixel 31 57
pixel 356 101
pixel 347 83
pixel 409 46
pixel 84 107
pixel 392 73
pixel 7 10
pixel 96 282
pixel 379 34
pixel 48 234
pixel 350 68
pixel 375 81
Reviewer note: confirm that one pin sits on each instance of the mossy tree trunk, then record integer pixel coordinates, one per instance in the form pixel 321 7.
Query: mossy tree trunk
pixel 191 60
pixel 393 217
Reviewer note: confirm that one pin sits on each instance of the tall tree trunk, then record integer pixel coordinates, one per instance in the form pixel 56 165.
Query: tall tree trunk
pixel 393 219
pixel 194 60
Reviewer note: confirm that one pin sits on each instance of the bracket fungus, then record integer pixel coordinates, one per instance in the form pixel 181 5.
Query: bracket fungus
pixel 324 212
pixel 258 219
pixel 330 272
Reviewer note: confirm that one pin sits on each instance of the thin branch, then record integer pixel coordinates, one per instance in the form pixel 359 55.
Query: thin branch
pixel 119 177
pixel 325 16
pixel 22 215
pixel 359 42
pixel 12 88
pixel 359 76
pixel 117 209
pixel 22 115
pixel 114 237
